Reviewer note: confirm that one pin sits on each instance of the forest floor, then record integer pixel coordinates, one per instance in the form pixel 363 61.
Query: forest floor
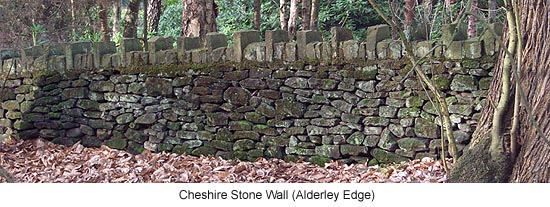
pixel 38 161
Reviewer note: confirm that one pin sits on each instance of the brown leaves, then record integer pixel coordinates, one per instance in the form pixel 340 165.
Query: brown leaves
pixel 41 161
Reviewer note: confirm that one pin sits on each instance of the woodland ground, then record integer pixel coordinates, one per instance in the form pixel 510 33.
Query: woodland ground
pixel 38 161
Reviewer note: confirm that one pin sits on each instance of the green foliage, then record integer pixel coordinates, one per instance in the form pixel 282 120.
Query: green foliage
pixel 170 20
pixel 37 30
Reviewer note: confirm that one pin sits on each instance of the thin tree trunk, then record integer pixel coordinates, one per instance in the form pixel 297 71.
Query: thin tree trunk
pixel 257 13
pixel 283 17
pixel 394 6
pixel 472 21
pixel 409 16
pixel 116 17
pixel 130 22
pixel 145 28
pixel 306 14
pixel 73 20
pixel 198 17
pixel 314 21
pixel 154 12
pixel 293 17
pixel 104 19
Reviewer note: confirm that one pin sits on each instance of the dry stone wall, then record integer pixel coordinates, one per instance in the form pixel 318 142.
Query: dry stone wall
pixel 341 99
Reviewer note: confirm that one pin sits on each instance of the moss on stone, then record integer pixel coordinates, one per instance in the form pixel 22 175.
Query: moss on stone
pixel 319 160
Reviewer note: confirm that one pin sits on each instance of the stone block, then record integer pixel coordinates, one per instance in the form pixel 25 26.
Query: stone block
pixel 290 54
pixel 305 37
pixel 454 50
pixel 99 49
pixel 128 45
pixel 271 38
pixel 350 49
pixel 241 40
pixel 215 40
pixel 186 44
pixel 340 34
pixel 160 43
pixel 472 49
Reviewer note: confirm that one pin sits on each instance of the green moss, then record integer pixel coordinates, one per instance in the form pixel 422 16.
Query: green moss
pixel 319 160
pixel 116 143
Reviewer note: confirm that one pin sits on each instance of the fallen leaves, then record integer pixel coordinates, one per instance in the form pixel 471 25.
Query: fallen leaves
pixel 39 161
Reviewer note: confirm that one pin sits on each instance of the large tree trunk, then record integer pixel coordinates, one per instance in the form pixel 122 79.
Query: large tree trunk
pixel 306 14
pixel 533 161
pixel 257 13
pixel 283 16
pixel 293 17
pixel 130 22
pixel 154 13
pixel 145 28
pixel 314 21
pixel 472 20
pixel 198 17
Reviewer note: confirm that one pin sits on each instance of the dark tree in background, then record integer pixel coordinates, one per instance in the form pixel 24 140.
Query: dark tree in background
pixel 131 19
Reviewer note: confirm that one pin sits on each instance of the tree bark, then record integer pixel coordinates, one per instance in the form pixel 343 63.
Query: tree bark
pixel 116 17
pixel 409 16
pixel 145 28
pixel 104 19
pixel 306 14
pixel 533 161
pixel 198 17
pixel 257 13
pixel 293 18
pixel 154 12
pixel 283 17
pixel 130 22
pixel 314 21
pixel 472 21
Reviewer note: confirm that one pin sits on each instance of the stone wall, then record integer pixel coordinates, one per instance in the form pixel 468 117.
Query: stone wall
pixel 342 99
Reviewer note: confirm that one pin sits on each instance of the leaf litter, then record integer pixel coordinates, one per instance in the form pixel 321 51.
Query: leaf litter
pixel 39 161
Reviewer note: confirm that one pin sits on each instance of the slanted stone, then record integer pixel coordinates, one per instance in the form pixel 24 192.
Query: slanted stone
pixel 375 34
pixel 305 37
pixel 331 151
pixel 128 45
pixel 160 43
pixel 425 128
pixel 241 40
pixel 463 83
pixel 215 40
pixel 412 144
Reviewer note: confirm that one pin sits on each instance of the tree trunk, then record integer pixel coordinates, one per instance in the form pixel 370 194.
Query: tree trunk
pixel 283 17
pixel 306 14
pixel 130 22
pixel 145 28
pixel 104 19
pixel 73 20
pixel 257 13
pixel 293 17
pixel 409 16
pixel 492 10
pixel 116 17
pixel 314 21
pixel 533 161
pixel 198 17
pixel 472 21
pixel 154 13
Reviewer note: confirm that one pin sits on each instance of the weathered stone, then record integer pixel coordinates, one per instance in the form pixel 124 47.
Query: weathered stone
pixel 356 138
pixel 315 130
pixel 102 86
pixel 286 108
pixel 425 128
pixel 125 118
pixel 158 86
pixel 148 118
pixel 387 111
pixel 243 145
pixel 376 121
pixel 305 37
pixel 217 119
pixel 116 143
pixel 465 110
pixel 388 141
pixel 241 40
pixel 331 151
pixel 384 156
pixel 412 144
pixel 353 150
pixel 374 35
pixel 463 83
pixel 236 96
pixel 342 105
